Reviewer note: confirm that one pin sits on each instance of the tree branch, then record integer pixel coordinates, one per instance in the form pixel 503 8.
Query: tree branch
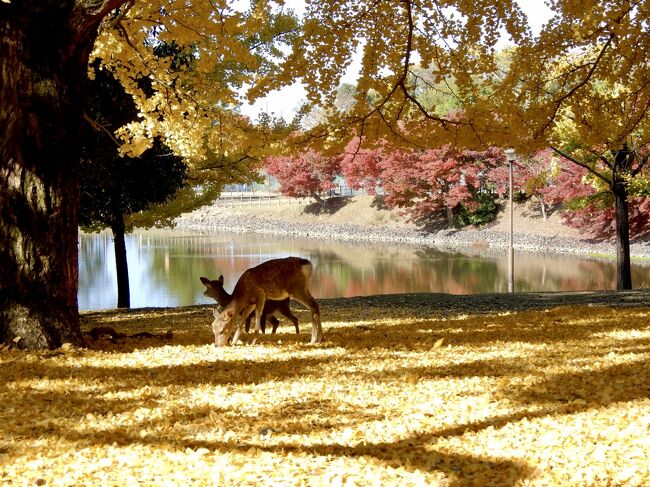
pixel 571 92
pixel 583 165
pixel 101 128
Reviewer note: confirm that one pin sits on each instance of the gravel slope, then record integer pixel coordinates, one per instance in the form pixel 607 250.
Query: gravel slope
pixel 358 219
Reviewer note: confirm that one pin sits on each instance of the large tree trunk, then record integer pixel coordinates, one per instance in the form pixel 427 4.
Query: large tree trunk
pixel 622 164
pixel 121 265
pixel 44 48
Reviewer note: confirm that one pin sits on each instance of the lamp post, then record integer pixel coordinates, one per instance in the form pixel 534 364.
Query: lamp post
pixel 510 155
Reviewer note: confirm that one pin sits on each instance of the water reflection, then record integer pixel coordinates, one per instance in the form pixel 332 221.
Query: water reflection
pixel 165 266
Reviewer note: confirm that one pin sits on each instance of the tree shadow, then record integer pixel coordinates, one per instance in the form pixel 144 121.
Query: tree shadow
pixel 436 312
pixel 328 206
pixel 424 319
pixel 571 391
pixel 52 412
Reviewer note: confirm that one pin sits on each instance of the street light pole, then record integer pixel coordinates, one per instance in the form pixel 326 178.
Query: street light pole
pixel 510 155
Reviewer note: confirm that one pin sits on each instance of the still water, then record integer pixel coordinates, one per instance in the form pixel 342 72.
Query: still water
pixel 165 266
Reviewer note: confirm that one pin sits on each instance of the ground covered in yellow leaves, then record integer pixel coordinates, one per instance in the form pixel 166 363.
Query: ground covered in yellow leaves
pixel 394 396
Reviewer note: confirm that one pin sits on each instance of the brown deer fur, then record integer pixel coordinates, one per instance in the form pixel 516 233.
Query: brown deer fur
pixel 276 279
pixel 214 289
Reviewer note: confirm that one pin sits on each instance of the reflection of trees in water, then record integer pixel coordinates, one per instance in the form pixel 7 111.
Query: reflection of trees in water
pixel 166 268
pixel 458 273
pixel 174 265
pixel 421 270
pixel 97 283
pixel 544 273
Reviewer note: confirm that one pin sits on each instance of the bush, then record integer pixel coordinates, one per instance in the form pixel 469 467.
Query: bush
pixel 485 213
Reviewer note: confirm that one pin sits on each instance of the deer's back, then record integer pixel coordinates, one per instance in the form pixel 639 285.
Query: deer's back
pixel 278 278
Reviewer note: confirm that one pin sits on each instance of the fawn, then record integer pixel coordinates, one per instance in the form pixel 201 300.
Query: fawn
pixel 214 289
pixel 276 280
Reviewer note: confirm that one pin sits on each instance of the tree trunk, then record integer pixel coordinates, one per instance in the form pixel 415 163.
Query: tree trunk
pixel 121 265
pixel 450 217
pixel 623 268
pixel 44 48
pixel 543 207
pixel 622 164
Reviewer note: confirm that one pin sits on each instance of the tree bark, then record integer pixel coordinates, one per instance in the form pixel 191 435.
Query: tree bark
pixel 121 265
pixel 450 217
pixel 623 264
pixel 44 49
pixel 622 164
pixel 543 207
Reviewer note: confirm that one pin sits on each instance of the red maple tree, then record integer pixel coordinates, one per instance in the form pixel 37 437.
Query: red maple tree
pixel 591 209
pixel 309 174
pixel 426 184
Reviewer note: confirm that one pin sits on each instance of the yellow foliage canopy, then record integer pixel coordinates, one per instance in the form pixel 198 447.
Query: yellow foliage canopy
pixel 585 80
pixel 184 64
pixel 585 77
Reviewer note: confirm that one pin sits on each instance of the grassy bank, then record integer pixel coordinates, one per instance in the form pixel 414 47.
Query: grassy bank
pixel 395 395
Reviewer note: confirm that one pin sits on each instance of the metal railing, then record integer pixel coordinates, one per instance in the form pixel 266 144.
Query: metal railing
pixel 260 195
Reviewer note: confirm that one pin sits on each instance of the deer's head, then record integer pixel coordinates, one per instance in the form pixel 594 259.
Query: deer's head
pixel 224 326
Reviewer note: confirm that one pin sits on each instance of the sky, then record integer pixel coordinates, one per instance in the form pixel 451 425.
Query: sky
pixel 286 101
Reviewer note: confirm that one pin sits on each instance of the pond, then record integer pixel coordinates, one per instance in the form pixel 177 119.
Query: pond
pixel 165 267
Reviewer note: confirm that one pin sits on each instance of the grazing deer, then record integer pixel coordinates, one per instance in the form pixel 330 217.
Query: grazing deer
pixel 272 280
pixel 214 289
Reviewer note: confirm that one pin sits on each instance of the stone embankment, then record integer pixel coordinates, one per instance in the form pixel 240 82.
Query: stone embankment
pixel 474 240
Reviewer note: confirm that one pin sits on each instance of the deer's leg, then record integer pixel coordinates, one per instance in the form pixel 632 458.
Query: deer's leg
pixel 235 337
pixel 250 318
pixel 258 315
pixel 238 327
pixel 274 323
pixel 259 301
pixel 248 323
pixel 239 323
pixel 263 323
pixel 294 320
pixel 285 309
pixel 308 300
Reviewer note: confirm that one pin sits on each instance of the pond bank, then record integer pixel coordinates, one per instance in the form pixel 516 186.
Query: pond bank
pixel 361 222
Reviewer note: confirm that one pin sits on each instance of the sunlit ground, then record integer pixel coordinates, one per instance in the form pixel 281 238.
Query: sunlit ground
pixel 559 397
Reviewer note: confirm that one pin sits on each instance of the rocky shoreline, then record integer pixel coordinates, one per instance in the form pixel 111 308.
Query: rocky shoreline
pixel 485 241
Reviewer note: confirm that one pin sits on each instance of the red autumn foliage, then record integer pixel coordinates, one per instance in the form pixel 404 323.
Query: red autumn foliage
pixel 425 183
pixel 361 167
pixel 308 174
pixel 532 176
pixel 592 211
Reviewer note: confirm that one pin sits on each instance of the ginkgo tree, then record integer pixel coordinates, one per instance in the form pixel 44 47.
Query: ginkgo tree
pixel 583 88
pixel 45 48
pixel 453 42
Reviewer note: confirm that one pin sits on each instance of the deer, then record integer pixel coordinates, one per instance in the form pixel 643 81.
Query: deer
pixel 214 289
pixel 275 280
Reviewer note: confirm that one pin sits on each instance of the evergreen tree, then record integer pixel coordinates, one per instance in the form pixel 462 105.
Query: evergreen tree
pixel 114 186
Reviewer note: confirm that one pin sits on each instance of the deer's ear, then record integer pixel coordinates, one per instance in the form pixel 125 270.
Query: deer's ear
pixel 220 279
pixel 205 280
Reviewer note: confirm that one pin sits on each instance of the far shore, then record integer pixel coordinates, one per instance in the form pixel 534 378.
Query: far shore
pixel 359 221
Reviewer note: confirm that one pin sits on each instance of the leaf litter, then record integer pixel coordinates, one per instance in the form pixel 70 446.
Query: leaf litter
pixel 393 396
